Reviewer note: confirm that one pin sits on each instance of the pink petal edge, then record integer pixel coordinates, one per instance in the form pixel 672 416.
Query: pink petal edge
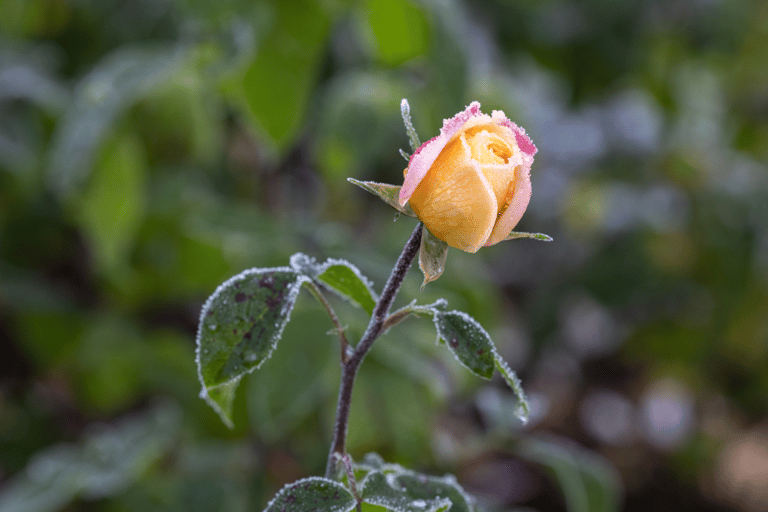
pixel 425 156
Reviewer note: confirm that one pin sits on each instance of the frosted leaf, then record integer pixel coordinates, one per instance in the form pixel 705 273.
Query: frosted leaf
pixel 346 280
pixel 312 494
pixel 467 340
pixel 523 410
pixel 240 325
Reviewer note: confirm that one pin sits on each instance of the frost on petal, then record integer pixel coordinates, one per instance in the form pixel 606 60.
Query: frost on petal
pixel 425 156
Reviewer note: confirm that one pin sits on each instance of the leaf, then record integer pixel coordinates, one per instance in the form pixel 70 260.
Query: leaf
pixel 390 194
pixel 380 490
pixel 116 83
pixel 425 487
pixel 432 255
pixel 395 30
pixel 112 206
pixel 523 408
pixel 278 95
pixel 312 494
pixel 589 483
pixel 240 325
pixel 468 341
pixel 349 283
pixel 109 459
pixel 535 236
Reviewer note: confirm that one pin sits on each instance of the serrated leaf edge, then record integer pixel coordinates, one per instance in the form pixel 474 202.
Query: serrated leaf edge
pixel 513 381
pixel 291 300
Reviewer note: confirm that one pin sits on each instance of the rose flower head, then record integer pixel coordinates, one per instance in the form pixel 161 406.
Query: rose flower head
pixel 471 184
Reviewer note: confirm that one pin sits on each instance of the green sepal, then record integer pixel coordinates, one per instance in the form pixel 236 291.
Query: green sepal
pixel 534 236
pixel 432 255
pixel 390 194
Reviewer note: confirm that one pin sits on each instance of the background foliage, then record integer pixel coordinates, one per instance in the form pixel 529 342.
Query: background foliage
pixel 151 149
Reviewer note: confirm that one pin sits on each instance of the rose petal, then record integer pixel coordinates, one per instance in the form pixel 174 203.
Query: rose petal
pixel 455 200
pixel 425 156
pixel 511 216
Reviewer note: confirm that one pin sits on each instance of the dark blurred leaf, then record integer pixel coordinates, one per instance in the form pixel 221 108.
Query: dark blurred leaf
pixel 116 83
pixel 277 85
pixel 299 378
pixel 589 483
pixel 112 205
pixel 109 459
pixel 240 326
pixel 312 494
pixel 396 30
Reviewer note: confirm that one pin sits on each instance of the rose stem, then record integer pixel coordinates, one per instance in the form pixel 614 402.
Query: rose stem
pixel 350 366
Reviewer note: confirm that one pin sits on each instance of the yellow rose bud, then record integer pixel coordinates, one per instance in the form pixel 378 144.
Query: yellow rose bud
pixel 471 184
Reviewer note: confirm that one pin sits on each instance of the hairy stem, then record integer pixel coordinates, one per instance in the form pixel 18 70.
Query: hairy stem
pixel 350 366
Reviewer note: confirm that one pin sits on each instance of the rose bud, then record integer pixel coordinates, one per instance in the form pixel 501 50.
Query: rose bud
pixel 471 184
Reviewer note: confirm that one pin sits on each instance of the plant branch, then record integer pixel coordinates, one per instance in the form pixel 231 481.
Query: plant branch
pixel 375 328
pixel 315 290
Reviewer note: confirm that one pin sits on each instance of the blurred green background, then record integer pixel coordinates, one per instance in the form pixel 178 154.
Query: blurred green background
pixel 150 149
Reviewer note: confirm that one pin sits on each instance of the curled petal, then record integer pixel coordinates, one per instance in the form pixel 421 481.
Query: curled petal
pixel 517 205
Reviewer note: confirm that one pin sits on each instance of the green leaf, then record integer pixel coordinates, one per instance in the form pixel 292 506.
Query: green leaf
pixel 390 194
pixel 108 461
pixel 312 494
pixel 468 341
pixel 396 30
pixel 112 206
pixel 425 487
pixel 535 236
pixel 523 408
pixel 348 282
pixel 378 490
pixel 432 255
pixel 276 87
pixel 240 326
pixel 117 82
pixel 589 482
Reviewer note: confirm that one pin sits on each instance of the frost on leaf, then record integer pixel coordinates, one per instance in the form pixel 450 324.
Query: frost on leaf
pixel 402 490
pixel 240 325
pixel 346 280
pixel 387 193
pixel 312 494
pixel 468 341
pixel 383 490
pixel 523 408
